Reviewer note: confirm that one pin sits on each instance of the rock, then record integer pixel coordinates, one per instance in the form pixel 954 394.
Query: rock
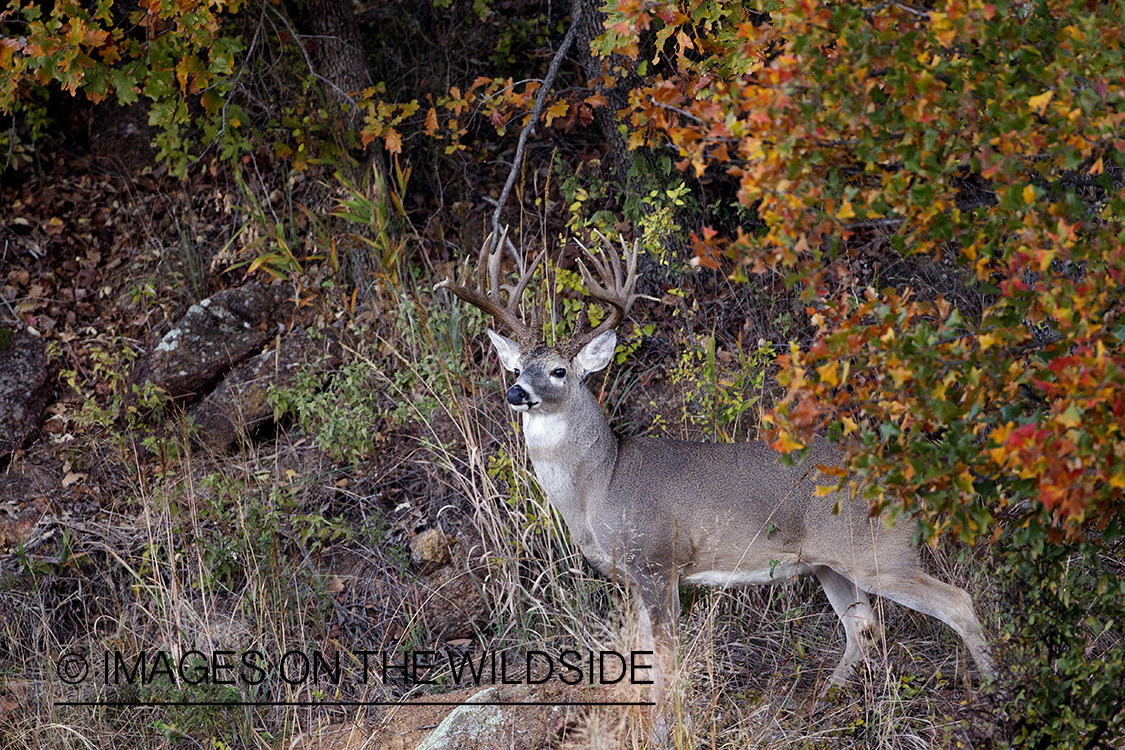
pixel 215 335
pixel 24 387
pixel 468 726
pixel 18 520
pixel 532 718
pixel 429 550
pixel 241 401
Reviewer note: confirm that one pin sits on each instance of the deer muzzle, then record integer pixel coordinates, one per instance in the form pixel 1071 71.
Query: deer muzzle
pixel 519 399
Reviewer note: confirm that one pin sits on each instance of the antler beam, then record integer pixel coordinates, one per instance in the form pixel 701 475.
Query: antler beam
pixel 486 294
pixel 615 290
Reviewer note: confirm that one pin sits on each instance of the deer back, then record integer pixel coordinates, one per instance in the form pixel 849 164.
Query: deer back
pixel 733 507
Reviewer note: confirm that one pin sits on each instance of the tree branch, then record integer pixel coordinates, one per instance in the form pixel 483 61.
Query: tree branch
pixel 536 112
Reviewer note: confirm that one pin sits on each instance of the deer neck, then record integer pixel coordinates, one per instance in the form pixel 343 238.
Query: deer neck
pixel 573 452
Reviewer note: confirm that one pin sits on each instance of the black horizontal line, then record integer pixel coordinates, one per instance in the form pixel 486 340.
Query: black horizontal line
pixel 264 704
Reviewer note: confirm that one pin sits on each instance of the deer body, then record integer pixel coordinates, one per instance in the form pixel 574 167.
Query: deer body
pixel 654 513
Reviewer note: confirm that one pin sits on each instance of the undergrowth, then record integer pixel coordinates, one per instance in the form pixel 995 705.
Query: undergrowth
pixel 301 544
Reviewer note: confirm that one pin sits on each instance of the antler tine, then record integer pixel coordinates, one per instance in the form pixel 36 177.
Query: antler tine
pixel 611 270
pixel 615 289
pixel 486 295
pixel 515 293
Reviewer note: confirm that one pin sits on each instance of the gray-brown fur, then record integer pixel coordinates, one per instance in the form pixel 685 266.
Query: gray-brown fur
pixel 656 512
pixel 653 513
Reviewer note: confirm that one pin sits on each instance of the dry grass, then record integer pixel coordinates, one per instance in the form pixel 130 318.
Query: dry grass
pixel 282 548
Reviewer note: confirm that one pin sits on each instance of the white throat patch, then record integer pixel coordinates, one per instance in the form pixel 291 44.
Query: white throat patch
pixel 543 430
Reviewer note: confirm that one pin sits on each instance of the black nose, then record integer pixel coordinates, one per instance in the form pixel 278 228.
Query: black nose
pixel 517 396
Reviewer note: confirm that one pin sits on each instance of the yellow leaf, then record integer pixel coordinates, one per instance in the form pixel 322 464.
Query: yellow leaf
pixel 1039 103
pixel 964 481
pixel 431 121
pixel 1117 478
pixel 849 425
pixel 1070 418
pixel 1098 167
pixel 8 47
pixel 828 374
pixel 943 28
pixel 393 141
pixel 1000 436
pixel 986 340
pixel 901 375
pixel 1029 195
pixel 555 110
pixel 846 211
pixel 785 443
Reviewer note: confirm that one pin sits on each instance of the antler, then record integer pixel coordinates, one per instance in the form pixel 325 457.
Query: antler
pixel 617 291
pixel 489 262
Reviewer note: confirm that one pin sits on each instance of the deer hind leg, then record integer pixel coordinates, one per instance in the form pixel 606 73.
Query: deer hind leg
pixel 950 604
pixel 854 610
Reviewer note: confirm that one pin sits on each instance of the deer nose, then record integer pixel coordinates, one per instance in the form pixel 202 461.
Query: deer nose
pixel 517 396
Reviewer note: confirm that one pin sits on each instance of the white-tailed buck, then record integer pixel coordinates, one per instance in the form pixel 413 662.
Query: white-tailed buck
pixel 657 513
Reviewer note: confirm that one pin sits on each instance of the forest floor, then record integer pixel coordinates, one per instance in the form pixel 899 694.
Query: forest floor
pixel 302 538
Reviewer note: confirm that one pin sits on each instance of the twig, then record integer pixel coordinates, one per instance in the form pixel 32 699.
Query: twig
pixel 536 112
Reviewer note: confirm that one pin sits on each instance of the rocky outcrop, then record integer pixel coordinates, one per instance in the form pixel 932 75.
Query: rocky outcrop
pixel 429 550
pixel 215 335
pixel 241 401
pixel 25 386
pixel 469 725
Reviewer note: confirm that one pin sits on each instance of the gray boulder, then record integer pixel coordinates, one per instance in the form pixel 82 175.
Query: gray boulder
pixel 241 401
pixel 213 336
pixel 25 386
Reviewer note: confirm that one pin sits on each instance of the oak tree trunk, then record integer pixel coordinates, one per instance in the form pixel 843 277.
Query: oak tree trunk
pixel 338 51
pixel 613 77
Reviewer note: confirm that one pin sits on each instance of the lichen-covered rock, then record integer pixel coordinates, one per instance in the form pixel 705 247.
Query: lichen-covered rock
pixel 241 401
pixel 25 386
pixel 429 550
pixel 213 336
pixel 472 724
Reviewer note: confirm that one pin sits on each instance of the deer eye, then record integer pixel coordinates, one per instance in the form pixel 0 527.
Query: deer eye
pixel 516 372
pixel 559 372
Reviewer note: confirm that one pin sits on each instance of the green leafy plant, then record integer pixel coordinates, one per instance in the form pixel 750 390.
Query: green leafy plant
pixel 380 215
pixel 343 417
pixel 274 244
pixel 718 389
pixel 1065 639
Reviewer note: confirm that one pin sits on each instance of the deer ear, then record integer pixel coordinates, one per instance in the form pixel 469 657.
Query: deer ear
pixel 597 354
pixel 506 349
